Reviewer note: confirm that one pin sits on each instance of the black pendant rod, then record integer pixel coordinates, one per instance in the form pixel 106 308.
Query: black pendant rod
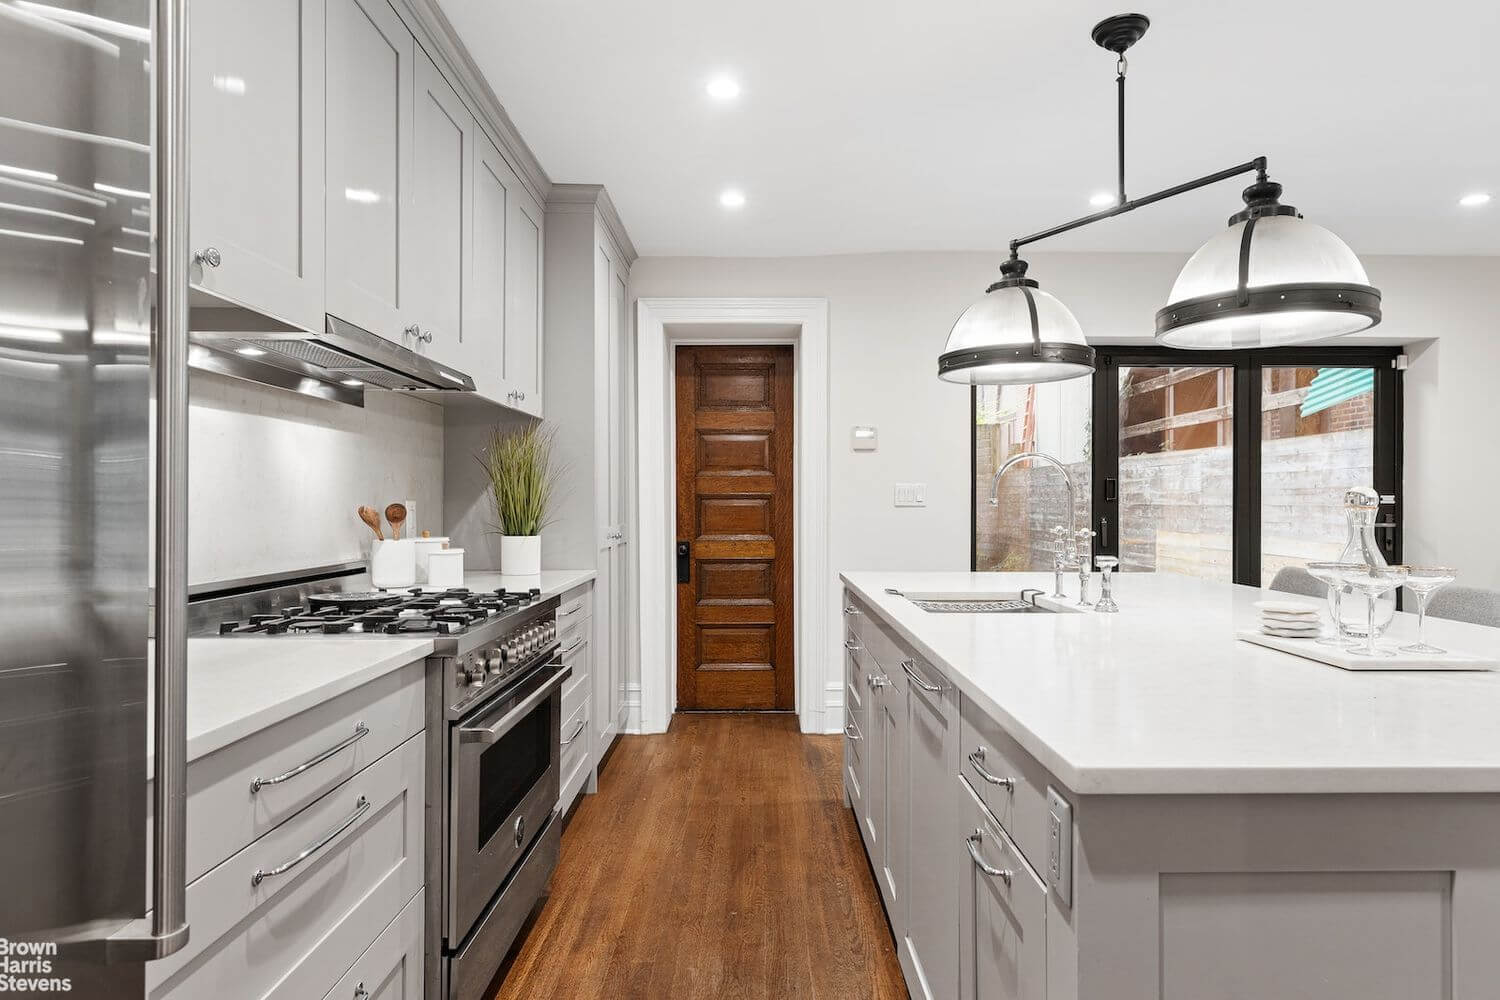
pixel 1258 165
pixel 1120 198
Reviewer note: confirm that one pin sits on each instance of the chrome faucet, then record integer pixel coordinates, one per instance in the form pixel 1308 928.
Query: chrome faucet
pixel 1068 557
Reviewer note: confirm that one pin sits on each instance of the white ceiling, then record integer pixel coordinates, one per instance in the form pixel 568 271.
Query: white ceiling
pixel 878 125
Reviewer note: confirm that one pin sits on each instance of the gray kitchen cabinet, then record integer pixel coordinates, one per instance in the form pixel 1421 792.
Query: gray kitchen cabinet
pixel 442 196
pixel 391 968
pixel 1002 913
pixel 524 244
pixel 256 150
pixel 928 947
pixel 368 199
pixel 483 341
pixel 888 792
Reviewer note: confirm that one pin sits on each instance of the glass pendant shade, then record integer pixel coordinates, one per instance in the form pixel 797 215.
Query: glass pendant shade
pixel 1271 279
pixel 1016 335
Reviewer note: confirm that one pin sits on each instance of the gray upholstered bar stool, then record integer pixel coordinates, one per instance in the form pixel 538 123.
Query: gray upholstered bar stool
pixel 1466 604
pixel 1296 580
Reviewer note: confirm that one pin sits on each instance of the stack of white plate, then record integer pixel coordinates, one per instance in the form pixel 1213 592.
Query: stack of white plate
pixel 1289 619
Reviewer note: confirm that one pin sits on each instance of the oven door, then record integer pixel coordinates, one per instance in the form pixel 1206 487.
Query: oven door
pixel 504 785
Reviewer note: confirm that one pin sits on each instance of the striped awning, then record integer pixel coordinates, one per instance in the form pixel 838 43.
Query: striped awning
pixel 1331 386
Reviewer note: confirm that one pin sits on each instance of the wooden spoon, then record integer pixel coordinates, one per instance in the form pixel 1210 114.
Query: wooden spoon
pixel 371 517
pixel 396 514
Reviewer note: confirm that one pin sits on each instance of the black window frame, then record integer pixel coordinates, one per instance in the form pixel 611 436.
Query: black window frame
pixel 1247 367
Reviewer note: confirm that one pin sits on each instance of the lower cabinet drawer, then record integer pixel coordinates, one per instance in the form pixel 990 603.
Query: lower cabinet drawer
pixel 854 771
pixel 1008 780
pixel 1002 913
pixel 576 688
pixel 231 802
pixel 573 765
pixel 391 968
pixel 285 917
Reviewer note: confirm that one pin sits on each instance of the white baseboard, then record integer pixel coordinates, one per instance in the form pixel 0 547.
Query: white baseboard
pixel 632 709
pixel 833 707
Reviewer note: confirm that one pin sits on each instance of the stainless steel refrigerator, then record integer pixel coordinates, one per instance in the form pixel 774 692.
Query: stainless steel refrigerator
pixel 92 475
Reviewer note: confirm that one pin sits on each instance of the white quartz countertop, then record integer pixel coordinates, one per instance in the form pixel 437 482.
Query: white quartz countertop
pixel 1163 699
pixel 239 686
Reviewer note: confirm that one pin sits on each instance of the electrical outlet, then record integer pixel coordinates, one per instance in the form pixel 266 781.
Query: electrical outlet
pixel 911 494
pixel 1060 846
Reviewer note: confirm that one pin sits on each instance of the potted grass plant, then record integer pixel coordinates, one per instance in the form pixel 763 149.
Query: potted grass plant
pixel 522 482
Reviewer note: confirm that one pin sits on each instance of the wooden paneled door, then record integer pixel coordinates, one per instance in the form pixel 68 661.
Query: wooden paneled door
pixel 734 515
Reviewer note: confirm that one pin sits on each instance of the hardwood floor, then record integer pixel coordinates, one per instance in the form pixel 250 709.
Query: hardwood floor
pixel 717 860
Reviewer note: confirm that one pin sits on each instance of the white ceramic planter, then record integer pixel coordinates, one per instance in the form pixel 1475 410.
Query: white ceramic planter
pixel 521 555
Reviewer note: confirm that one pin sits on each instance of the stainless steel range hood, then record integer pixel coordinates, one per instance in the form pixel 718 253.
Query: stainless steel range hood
pixel 338 364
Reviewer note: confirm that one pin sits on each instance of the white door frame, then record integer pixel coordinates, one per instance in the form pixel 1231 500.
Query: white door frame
pixel 661 325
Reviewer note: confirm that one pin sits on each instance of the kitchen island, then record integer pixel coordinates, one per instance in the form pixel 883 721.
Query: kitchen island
pixel 1080 805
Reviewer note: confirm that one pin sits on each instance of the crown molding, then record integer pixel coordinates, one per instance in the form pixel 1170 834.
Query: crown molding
pixel 594 198
pixel 435 33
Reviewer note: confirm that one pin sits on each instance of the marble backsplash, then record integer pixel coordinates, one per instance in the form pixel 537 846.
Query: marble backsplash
pixel 275 477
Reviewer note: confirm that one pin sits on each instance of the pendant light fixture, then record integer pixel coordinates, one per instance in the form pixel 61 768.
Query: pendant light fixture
pixel 1270 279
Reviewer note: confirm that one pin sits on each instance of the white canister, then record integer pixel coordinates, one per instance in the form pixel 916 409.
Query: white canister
pixel 425 547
pixel 445 568
pixel 393 563
pixel 521 555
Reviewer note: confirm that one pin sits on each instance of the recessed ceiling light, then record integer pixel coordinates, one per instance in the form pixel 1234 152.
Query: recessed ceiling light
pixel 723 88
pixel 732 198
pixel 1475 199
pixel 249 352
pixel 1103 199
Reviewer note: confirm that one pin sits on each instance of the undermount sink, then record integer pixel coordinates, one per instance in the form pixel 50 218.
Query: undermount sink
pixel 986 603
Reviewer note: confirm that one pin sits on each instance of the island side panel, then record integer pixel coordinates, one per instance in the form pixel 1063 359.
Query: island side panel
pixel 1338 897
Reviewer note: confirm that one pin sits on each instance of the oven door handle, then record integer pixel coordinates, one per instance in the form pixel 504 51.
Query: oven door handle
pixel 496 730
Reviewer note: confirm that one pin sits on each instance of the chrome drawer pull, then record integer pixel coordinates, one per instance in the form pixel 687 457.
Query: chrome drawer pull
pixel 851 645
pixel 581 724
pixel 976 760
pixel 910 667
pixel 360 993
pixel 360 808
pixel 571 611
pixel 360 732
pixel 576 644
pixel 852 735
pixel 851 610
pixel 972 842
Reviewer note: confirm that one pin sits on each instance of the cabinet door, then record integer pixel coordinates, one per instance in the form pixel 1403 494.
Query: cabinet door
pixel 929 948
pixel 885 793
pixel 369 130
pixel 256 153
pixel 484 334
pixel 619 477
pixel 1002 938
pixel 606 665
pixel 442 190
pixel 523 301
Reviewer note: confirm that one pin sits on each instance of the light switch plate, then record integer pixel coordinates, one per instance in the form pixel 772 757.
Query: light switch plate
pixel 863 438
pixel 1060 846
pixel 911 494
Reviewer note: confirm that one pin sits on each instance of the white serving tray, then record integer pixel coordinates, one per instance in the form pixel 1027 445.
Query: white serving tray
pixel 1339 657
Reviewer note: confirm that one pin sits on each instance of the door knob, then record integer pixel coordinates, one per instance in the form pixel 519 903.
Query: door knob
pixel 208 256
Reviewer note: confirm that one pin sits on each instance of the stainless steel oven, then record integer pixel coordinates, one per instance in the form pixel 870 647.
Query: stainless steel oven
pixel 504 772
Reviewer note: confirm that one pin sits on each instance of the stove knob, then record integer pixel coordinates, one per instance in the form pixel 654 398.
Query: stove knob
pixel 551 631
pixel 494 660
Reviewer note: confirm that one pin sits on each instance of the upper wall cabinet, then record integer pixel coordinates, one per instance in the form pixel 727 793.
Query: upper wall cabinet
pixel 368 186
pixel 442 186
pixel 256 147
pixel 523 302
pixel 483 343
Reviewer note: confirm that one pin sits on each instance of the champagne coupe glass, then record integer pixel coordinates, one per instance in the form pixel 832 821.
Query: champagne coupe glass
pixel 1331 574
pixel 1424 581
pixel 1374 582
pixel 1106 602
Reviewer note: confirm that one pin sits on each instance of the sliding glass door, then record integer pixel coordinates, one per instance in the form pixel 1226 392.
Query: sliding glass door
pixel 1221 465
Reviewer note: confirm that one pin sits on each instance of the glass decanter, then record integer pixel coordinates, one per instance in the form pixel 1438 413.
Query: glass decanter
pixel 1361 505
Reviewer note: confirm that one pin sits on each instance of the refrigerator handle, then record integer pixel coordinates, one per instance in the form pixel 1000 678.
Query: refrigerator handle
pixel 168 927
